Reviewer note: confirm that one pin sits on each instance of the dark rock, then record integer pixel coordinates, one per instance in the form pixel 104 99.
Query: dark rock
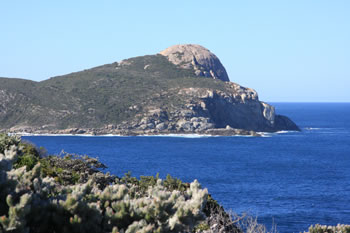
pixel 284 123
pixel 161 126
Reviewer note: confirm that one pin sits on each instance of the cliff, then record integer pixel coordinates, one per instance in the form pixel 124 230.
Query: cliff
pixel 184 89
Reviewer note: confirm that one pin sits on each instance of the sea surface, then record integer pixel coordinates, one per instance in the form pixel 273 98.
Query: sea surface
pixel 291 179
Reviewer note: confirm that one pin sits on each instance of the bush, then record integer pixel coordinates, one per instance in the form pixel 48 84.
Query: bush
pixel 329 229
pixel 6 142
pixel 36 200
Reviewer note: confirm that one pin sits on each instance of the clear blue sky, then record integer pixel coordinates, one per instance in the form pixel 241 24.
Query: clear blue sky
pixel 286 50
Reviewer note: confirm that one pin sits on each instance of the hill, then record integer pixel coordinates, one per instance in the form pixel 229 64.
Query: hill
pixel 184 89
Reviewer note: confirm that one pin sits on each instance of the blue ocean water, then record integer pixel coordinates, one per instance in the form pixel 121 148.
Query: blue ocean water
pixel 292 179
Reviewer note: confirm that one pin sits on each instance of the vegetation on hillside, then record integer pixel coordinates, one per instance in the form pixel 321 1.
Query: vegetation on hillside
pixel 92 97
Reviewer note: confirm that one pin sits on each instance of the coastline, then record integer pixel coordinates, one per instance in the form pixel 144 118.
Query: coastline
pixel 179 134
pixel 130 131
pixel 126 133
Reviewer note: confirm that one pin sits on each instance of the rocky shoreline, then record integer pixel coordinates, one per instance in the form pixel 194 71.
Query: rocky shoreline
pixel 228 131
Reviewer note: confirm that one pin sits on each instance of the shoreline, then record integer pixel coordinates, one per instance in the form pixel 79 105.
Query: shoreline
pixel 180 134
pixel 188 135
pixel 109 131
pixel 228 131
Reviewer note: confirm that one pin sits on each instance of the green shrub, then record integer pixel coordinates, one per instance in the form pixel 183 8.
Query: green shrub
pixel 36 200
pixel 202 227
pixel 27 160
pixel 340 228
pixel 7 141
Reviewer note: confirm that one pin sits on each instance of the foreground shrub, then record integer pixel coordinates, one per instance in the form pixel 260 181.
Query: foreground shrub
pixel 36 198
pixel 340 228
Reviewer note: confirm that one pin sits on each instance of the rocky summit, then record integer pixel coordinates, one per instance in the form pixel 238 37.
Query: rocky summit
pixel 184 89
pixel 201 60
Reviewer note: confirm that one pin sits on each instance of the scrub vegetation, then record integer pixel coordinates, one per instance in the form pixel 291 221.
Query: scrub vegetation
pixel 92 97
pixel 69 193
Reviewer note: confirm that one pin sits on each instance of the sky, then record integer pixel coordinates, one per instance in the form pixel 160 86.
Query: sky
pixel 288 51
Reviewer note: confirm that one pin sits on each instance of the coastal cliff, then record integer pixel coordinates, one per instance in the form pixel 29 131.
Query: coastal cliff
pixel 183 89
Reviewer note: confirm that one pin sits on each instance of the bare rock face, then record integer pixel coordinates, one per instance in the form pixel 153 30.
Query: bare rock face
pixel 201 60
pixel 237 107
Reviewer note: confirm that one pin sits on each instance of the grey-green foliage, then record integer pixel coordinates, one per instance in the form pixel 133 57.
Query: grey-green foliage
pixel 33 202
pixel 6 142
pixel 71 169
pixel 8 154
pixel 340 228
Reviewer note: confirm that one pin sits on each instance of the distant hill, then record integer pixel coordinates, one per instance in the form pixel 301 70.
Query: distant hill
pixel 184 89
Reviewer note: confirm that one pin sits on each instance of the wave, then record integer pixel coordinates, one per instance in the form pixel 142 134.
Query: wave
pixel 178 135
pixel 79 135
pixel 271 134
pixel 37 134
pixel 191 135
pixel 106 135
pixel 114 135
pixel 284 131
pixel 327 130
pixel 64 135
pixel 49 134
pixel 266 135
pixel 142 135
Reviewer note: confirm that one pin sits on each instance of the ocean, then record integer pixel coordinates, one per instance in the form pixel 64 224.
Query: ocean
pixel 291 179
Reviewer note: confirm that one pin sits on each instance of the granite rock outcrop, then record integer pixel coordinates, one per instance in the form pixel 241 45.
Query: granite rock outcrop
pixel 196 57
